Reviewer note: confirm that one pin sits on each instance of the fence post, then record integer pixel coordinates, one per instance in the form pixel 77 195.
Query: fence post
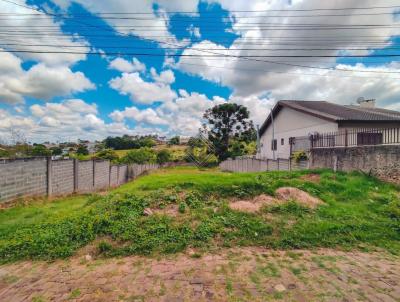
pixel 346 138
pixel 49 176
pixel 290 163
pixel 76 180
pixel 109 175
pixel 94 173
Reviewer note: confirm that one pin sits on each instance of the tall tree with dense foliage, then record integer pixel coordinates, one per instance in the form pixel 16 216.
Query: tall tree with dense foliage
pixel 174 141
pixel 40 150
pixel 226 123
pixel 82 150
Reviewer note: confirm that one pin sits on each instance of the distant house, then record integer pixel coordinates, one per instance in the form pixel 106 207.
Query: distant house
pixel 293 119
pixel 184 140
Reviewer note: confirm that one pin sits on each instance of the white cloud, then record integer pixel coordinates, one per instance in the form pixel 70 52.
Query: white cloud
pixel 152 18
pixel 144 92
pixel 147 116
pixel 123 65
pixel 165 77
pixel 194 31
pixel 66 121
pixel 35 27
pixel 252 77
pixel 40 81
pixel 183 115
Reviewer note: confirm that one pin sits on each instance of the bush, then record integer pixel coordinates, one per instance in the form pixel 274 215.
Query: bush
pixel 140 156
pixel 82 150
pixel 299 155
pixel 107 154
pixel 164 156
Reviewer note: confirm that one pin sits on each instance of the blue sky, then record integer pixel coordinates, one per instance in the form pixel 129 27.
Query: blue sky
pixel 58 96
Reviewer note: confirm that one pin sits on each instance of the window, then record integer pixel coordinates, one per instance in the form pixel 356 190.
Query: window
pixel 274 144
pixel 282 141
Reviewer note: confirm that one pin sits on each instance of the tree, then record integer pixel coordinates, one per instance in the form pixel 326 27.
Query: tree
pixel 228 122
pixel 107 154
pixel 139 156
pixel 82 150
pixel 40 150
pixel 164 156
pixel 174 141
pixel 56 151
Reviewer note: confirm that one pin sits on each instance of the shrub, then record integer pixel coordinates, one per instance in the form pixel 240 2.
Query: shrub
pixel 107 154
pixel 164 156
pixel 140 156
pixel 299 155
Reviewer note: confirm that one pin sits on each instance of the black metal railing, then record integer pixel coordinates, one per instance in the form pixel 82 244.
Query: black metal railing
pixel 356 137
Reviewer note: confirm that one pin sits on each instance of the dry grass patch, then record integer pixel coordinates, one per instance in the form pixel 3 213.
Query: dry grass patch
pixel 284 195
pixel 299 196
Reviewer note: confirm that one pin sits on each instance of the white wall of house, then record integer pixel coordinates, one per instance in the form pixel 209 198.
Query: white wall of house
pixel 291 123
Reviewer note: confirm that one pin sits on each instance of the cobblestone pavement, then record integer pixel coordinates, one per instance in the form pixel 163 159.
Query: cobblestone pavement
pixel 245 274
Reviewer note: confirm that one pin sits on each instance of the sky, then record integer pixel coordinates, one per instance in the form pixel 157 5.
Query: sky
pixel 89 69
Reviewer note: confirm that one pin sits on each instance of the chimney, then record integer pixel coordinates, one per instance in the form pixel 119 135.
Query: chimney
pixel 366 103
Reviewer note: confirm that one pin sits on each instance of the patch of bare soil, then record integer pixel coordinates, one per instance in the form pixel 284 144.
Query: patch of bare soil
pixel 284 195
pixel 255 204
pixel 299 196
pixel 169 210
pixel 240 274
pixel 316 178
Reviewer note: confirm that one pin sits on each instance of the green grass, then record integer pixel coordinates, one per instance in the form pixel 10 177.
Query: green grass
pixel 360 212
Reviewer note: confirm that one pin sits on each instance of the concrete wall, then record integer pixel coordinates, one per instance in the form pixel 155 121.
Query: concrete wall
pixel 291 123
pixel 22 177
pixel 382 161
pixel 114 176
pixel 101 174
pixel 42 176
pixel 258 165
pixel 62 177
pixel 85 177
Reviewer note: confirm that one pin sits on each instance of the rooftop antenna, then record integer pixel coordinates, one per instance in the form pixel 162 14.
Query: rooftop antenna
pixel 360 100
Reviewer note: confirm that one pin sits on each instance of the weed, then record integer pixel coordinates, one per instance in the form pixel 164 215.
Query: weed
pixel 104 247
pixel 75 294
pixel 182 207
pixel 359 212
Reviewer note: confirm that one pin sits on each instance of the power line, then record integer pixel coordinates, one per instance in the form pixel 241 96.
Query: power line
pixel 245 58
pixel 256 11
pixel 202 56
pixel 179 48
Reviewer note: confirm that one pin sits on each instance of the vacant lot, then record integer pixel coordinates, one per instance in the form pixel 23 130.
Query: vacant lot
pixel 210 214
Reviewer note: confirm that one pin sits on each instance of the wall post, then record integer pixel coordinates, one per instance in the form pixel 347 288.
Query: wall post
pixel 49 176
pixel 94 174
pixel 76 180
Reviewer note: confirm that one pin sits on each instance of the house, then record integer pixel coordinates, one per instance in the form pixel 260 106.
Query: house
pixel 294 123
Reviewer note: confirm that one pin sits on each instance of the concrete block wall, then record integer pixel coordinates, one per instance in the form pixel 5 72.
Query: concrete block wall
pixel 43 176
pixel 382 161
pixel 85 182
pixel 62 177
pixel 101 174
pixel 23 177
pixel 259 165
pixel 122 174
pixel 113 176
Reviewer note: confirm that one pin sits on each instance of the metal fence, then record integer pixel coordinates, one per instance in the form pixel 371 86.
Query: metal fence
pixel 356 137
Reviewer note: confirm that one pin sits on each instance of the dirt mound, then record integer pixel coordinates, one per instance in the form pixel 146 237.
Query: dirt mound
pixel 297 195
pixel 253 205
pixel 311 177
pixel 170 210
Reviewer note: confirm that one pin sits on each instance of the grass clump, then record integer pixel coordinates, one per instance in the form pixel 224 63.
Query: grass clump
pixel 359 212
